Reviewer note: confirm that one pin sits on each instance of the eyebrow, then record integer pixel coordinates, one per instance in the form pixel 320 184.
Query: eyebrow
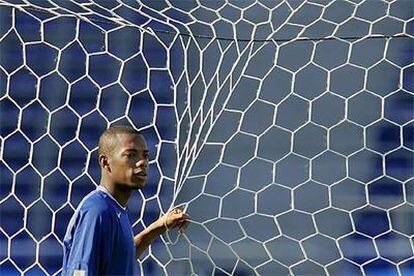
pixel 135 150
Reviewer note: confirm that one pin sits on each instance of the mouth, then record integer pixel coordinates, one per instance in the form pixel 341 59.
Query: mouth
pixel 141 174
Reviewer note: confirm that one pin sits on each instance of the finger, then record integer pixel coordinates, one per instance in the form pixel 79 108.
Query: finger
pixel 184 225
pixel 177 210
pixel 171 217
pixel 180 216
pixel 174 224
pixel 176 219
pixel 181 221
pixel 172 221
pixel 180 224
pixel 175 214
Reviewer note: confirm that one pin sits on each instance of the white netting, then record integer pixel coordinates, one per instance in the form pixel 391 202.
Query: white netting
pixel 284 127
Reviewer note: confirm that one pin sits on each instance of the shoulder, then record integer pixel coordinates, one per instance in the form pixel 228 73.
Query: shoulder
pixel 96 205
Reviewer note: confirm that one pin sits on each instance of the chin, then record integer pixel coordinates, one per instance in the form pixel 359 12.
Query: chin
pixel 137 182
pixel 138 185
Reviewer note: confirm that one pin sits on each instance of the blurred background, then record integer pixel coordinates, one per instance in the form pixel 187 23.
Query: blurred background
pixel 285 128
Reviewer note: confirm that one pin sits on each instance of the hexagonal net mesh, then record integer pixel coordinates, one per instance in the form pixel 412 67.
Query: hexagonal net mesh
pixel 284 127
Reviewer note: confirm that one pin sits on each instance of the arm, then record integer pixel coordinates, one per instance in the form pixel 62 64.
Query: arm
pixel 85 243
pixel 173 219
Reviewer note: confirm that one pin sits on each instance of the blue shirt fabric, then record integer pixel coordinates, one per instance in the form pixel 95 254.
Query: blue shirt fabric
pixel 99 238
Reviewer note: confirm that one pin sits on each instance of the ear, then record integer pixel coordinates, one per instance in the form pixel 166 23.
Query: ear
pixel 104 162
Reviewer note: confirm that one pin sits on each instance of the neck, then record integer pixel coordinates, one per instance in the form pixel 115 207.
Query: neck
pixel 118 192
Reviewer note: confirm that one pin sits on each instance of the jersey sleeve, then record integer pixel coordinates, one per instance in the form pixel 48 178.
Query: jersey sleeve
pixel 91 244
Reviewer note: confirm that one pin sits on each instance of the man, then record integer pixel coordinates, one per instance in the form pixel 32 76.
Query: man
pixel 99 238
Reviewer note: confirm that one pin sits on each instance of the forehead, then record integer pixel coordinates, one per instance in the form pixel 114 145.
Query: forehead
pixel 130 141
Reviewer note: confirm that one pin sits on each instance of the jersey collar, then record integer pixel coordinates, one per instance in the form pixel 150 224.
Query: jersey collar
pixel 103 189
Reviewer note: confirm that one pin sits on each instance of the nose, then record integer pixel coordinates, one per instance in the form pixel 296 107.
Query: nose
pixel 143 164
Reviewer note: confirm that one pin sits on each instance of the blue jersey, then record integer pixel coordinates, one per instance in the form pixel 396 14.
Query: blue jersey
pixel 99 238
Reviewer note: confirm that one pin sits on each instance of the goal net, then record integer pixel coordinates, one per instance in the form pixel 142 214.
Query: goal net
pixel 284 128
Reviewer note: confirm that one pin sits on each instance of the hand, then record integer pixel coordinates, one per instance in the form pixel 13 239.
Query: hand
pixel 175 218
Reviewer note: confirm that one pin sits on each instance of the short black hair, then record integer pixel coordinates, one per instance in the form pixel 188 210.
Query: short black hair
pixel 107 141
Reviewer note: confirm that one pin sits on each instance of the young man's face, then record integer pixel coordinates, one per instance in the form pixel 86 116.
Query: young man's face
pixel 129 161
